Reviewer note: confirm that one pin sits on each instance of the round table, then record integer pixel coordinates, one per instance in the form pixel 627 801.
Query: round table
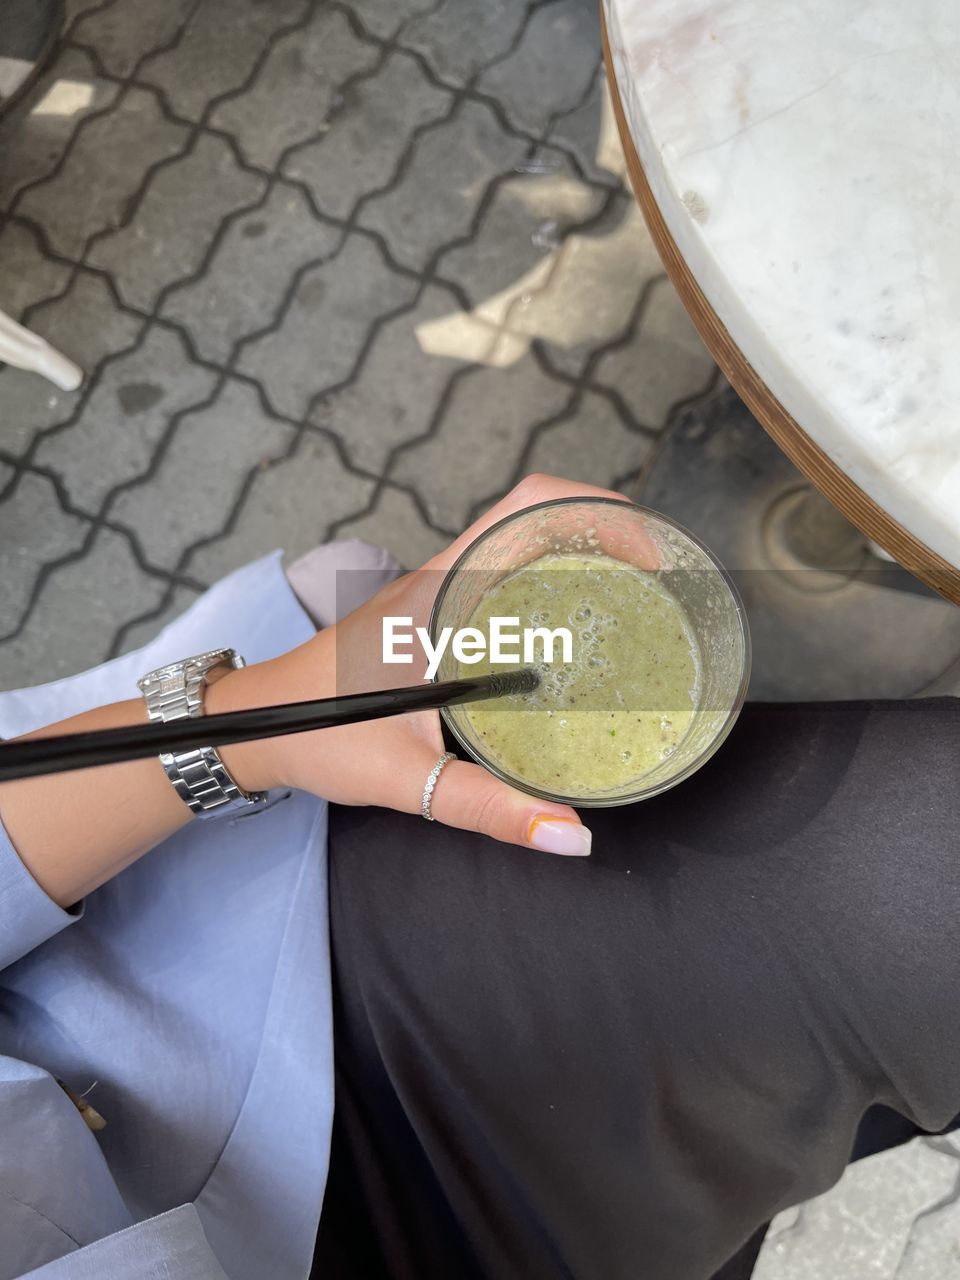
pixel 797 166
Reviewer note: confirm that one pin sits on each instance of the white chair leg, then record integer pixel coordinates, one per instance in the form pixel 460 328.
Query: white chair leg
pixel 26 350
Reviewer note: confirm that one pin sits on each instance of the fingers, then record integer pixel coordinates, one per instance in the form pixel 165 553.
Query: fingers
pixel 413 594
pixel 531 490
pixel 468 797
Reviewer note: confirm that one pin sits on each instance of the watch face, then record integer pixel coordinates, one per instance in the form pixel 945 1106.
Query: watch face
pixel 197 665
pixel 204 662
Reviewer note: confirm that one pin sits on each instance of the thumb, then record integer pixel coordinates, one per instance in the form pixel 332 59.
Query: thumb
pixel 469 797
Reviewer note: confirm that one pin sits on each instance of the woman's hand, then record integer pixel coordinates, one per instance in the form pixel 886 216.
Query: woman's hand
pixel 386 762
pixel 75 830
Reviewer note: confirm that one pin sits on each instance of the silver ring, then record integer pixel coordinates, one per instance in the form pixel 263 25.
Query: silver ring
pixel 431 782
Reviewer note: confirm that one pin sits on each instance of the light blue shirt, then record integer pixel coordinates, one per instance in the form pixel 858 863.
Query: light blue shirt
pixel 193 993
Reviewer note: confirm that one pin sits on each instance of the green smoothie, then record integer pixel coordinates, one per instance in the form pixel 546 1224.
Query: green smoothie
pixel 624 702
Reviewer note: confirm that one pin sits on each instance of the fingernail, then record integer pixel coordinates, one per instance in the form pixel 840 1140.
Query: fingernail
pixel 559 835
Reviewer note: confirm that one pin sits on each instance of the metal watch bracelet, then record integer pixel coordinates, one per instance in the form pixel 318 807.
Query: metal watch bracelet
pixel 199 776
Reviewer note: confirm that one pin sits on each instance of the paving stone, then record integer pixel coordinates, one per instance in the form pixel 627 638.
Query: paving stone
pixel 932 1249
pixel 367 135
pixel 86 325
pixel 462 37
pixel 325 327
pixel 590 132
pixel 140 631
pixel 592 445
pixel 127 414
pixel 480 439
pixel 219 51
pixel 662 363
pixel 250 271
pixel 396 523
pixel 27 276
pixel 291 505
pixel 77 614
pixel 552 67
pixel 37 131
pixel 592 292
pixel 124 34
pixel 421 213
pixel 398 391
pixel 111 156
pixel 513 253
pixel 862 1227
pixel 74 9
pixel 176 221
pixel 465 335
pixel 34 529
pixel 211 454
pixel 386 20
pixel 295 96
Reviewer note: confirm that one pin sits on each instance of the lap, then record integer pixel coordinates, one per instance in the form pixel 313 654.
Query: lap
pixel 624 1065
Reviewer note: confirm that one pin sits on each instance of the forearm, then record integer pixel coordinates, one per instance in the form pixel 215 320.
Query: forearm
pixel 73 831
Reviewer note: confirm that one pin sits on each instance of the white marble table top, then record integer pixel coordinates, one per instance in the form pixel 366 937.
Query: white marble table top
pixel 805 155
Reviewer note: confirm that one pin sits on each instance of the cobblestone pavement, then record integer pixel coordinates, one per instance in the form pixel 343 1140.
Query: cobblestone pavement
pixel 336 269
pixel 332 270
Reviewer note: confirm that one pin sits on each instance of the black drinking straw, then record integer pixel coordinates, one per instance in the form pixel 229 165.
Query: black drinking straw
pixel 38 756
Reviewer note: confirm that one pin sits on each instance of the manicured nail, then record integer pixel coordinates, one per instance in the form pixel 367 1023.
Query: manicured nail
pixel 559 835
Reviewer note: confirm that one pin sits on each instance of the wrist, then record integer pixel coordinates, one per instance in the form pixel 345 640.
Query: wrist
pixel 259 765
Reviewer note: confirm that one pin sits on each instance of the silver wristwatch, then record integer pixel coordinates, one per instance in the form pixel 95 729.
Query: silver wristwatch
pixel 199 777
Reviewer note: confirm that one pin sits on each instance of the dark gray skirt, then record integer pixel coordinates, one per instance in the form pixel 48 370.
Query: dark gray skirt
pixel 622 1067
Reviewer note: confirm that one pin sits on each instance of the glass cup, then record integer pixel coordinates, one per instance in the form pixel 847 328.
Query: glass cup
pixel 639 538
